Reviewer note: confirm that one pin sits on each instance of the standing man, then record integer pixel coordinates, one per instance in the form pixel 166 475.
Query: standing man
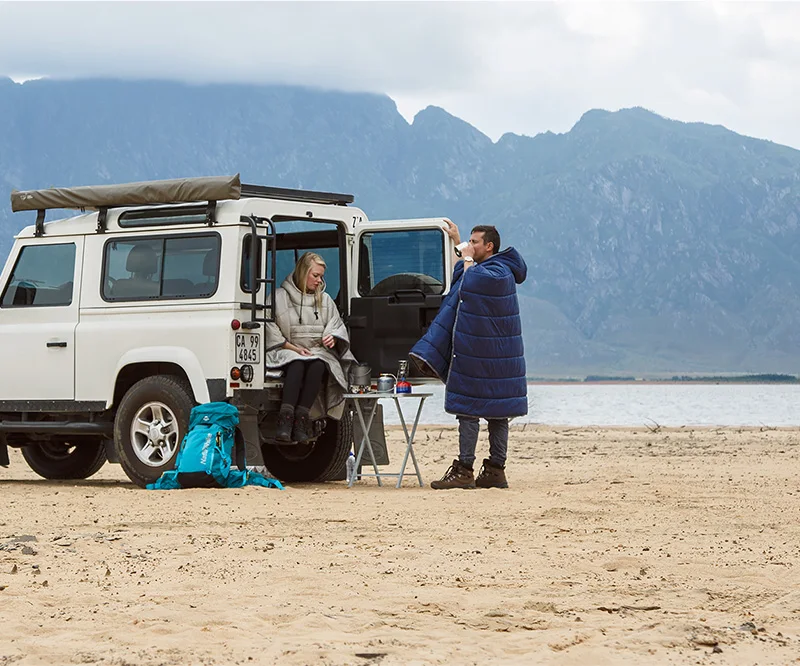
pixel 474 345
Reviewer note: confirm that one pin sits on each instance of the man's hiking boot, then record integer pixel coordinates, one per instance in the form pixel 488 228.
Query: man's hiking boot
pixel 285 423
pixel 491 476
pixel 458 475
pixel 303 430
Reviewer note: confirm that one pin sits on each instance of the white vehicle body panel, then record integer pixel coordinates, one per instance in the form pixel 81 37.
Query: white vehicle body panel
pixel 32 370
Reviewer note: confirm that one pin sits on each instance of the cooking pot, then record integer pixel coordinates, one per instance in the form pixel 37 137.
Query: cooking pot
pixel 360 374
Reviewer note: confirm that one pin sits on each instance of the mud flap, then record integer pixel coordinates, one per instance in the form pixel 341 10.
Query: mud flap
pixel 111 452
pixel 248 438
pixel 4 461
pixel 377 438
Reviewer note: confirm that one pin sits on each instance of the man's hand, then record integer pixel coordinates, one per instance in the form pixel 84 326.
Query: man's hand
pixel 453 232
pixel 328 341
pixel 468 251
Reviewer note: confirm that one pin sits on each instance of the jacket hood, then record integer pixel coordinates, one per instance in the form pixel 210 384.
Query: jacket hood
pixel 298 298
pixel 513 260
pixel 294 293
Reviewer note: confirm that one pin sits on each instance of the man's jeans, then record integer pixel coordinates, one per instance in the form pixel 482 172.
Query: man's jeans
pixel 468 428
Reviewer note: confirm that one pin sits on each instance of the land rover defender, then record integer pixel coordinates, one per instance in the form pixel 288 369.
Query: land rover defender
pixel 153 297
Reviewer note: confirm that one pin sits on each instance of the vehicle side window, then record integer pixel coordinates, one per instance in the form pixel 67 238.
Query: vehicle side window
pixel 42 276
pixel 191 267
pixel 161 268
pixel 247 248
pixel 391 261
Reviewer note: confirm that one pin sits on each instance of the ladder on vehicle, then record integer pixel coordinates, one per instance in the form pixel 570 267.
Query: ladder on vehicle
pixel 261 312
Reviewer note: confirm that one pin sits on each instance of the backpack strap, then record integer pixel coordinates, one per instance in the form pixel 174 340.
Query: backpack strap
pixel 239 450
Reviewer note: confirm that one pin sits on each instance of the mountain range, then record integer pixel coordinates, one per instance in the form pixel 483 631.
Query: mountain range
pixel 654 246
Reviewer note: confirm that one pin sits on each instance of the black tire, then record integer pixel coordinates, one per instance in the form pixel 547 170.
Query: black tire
pixel 76 458
pixel 175 399
pixel 322 460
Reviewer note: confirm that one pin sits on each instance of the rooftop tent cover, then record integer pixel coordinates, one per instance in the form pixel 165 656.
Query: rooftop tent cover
pixel 178 190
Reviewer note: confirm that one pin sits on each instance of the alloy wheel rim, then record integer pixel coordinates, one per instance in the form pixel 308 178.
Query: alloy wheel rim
pixel 154 434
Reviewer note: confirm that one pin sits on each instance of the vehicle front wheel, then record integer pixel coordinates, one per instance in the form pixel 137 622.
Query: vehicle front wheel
pixel 322 460
pixel 149 427
pixel 76 458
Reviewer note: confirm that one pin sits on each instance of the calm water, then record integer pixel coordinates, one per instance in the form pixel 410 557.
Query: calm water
pixel 633 405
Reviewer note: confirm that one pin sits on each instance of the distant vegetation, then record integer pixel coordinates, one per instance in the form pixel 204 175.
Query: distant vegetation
pixel 739 379
pixel 769 378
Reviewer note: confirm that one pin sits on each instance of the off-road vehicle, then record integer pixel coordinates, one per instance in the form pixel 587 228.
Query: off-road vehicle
pixel 116 321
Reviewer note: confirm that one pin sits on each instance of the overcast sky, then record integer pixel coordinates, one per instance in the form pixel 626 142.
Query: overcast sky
pixel 503 67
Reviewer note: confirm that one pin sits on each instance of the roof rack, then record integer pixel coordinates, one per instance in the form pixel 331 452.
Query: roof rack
pixel 158 192
pixel 309 196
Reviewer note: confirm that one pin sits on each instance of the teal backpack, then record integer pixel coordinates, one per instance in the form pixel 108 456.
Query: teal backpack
pixel 206 453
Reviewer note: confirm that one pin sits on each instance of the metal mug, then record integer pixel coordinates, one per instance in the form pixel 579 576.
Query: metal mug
pixel 386 383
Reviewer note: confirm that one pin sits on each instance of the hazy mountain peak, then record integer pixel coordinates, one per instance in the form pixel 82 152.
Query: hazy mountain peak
pixel 597 119
pixel 435 120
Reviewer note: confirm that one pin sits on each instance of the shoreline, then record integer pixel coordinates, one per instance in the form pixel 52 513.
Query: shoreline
pixel 606 382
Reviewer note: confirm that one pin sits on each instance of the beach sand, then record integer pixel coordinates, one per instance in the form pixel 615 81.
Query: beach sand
pixel 613 546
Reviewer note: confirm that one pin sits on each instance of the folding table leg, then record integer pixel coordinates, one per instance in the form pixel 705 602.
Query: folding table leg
pixel 365 441
pixel 409 441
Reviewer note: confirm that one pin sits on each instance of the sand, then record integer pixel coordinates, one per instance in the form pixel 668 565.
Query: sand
pixel 613 546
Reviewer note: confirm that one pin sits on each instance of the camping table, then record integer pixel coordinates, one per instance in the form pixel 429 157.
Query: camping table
pixel 358 400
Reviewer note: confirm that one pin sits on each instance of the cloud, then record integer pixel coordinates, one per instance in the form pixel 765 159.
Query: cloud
pixel 518 67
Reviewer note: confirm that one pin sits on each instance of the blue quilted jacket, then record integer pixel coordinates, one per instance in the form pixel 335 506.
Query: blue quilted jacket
pixel 474 345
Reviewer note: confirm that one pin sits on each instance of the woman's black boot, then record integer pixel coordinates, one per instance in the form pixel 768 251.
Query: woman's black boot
pixel 285 424
pixel 302 431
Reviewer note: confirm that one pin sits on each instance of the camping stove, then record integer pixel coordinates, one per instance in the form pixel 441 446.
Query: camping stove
pixel 360 378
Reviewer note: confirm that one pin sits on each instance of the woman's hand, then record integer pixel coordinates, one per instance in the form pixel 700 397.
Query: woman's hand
pixel 297 349
pixel 328 341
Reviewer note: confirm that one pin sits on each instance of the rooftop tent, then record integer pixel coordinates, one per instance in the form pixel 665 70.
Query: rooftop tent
pixel 179 190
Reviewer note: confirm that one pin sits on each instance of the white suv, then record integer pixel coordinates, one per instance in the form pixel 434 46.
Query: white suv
pixel 115 323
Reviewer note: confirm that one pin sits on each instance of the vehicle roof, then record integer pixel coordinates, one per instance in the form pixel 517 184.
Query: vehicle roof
pixel 222 199
pixel 227 213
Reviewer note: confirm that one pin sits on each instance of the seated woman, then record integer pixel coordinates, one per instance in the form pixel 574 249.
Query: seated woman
pixel 310 342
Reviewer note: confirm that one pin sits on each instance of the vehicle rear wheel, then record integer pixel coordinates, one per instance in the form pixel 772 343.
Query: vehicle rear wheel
pixel 67 458
pixel 322 460
pixel 149 427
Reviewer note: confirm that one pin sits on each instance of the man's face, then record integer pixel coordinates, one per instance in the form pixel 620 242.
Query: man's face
pixel 480 250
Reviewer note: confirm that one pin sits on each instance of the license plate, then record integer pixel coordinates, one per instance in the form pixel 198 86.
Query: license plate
pixel 248 348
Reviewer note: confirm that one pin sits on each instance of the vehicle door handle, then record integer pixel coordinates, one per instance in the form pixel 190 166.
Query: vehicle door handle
pixel 407 296
pixel 56 344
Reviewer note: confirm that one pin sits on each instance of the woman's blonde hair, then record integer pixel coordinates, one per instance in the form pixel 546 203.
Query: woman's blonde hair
pixel 301 271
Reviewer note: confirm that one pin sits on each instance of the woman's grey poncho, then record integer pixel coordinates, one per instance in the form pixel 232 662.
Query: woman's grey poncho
pixel 298 320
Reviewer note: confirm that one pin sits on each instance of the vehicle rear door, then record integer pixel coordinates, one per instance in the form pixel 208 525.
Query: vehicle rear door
pixel 401 271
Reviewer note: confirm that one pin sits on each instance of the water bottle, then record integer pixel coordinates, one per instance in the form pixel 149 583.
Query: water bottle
pixel 350 466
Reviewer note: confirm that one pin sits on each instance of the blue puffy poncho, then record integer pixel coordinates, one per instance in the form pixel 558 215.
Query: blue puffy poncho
pixel 474 345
